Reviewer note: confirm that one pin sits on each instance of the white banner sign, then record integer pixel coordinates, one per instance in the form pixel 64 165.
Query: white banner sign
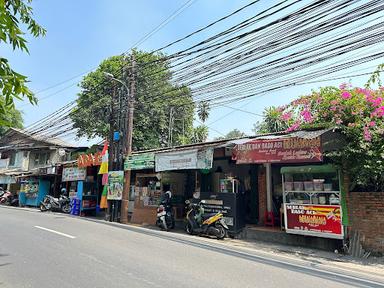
pixel 189 159
pixel 74 174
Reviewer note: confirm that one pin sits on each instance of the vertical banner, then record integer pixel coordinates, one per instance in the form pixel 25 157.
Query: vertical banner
pixel 115 185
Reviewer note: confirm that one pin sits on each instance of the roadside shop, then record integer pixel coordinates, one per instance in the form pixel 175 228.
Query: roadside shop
pixel 82 183
pixel 299 190
pixel 198 172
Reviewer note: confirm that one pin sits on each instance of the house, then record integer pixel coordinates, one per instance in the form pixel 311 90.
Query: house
pixel 26 156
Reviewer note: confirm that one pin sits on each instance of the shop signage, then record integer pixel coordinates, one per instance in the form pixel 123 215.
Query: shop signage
pixel 74 174
pixel 140 161
pixel 283 150
pixel 86 160
pixel 189 159
pixel 115 185
pixel 315 220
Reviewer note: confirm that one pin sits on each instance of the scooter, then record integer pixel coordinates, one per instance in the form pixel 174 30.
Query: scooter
pixel 6 198
pixel 199 223
pixel 165 218
pixel 63 204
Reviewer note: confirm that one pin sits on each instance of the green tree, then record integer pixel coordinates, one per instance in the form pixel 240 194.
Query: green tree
pixel 13 14
pixel 159 102
pixel 235 133
pixel 358 113
pixel 271 122
pixel 13 119
pixel 200 134
pixel 203 110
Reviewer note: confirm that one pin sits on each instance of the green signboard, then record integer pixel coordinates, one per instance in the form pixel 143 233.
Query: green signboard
pixel 140 161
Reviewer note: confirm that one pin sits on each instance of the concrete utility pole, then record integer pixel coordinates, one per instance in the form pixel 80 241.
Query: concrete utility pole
pixel 131 106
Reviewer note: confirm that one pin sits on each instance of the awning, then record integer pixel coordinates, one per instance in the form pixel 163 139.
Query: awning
pixel 6 179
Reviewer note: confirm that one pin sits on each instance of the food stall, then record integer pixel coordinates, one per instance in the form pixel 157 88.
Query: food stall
pixel 32 191
pixel 312 201
pixel 146 188
pixel 81 187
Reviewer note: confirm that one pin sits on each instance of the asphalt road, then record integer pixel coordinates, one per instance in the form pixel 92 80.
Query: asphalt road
pixel 52 250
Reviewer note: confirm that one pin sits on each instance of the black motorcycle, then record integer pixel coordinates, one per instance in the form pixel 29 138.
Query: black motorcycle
pixel 63 204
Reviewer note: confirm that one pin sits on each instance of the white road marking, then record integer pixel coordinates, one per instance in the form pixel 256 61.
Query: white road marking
pixel 56 232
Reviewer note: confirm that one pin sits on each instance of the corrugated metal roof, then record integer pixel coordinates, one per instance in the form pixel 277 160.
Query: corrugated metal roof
pixel 50 141
pixel 306 134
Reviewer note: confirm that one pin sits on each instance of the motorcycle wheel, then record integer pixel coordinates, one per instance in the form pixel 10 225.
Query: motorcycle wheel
pixel 189 229
pixel 43 208
pixel 222 232
pixel 66 208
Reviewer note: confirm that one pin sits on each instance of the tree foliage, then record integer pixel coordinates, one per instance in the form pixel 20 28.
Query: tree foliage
pixel 203 110
pixel 200 134
pixel 14 13
pixel 156 95
pixel 13 119
pixel 357 112
pixel 235 133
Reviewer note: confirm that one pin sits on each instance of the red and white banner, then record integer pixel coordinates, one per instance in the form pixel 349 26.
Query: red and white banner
pixel 282 150
pixel 315 220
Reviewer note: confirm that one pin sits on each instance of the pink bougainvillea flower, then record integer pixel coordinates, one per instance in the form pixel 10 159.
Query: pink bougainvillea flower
pixel 339 121
pixel 306 115
pixel 372 124
pixel 354 113
pixel 377 102
pixel 346 95
pixel 343 86
pixel 379 112
pixel 367 134
pixel 334 102
pixel 351 124
pixel 286 116
pixel 293 127
pixel 333 108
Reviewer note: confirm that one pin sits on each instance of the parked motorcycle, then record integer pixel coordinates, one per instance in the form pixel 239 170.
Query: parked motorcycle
pixel 63 204
pixel 199 223
pixel 165 218
pixel 6 198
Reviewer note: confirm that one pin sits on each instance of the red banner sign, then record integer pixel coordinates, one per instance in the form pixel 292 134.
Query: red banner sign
pixel 321 220
pixel 288 150
pixel 85 160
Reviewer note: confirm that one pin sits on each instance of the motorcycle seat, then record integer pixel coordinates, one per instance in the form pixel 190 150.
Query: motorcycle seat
pixel 207 216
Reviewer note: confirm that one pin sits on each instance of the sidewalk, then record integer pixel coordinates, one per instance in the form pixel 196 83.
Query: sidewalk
pixel 373 266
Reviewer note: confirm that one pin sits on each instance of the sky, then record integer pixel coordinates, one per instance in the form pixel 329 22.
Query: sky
pixel 80 34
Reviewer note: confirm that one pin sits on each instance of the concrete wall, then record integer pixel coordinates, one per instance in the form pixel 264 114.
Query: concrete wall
pixel 366 214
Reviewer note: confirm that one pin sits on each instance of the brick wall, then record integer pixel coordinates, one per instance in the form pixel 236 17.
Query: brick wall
pixel 366 214
pixel 262 187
